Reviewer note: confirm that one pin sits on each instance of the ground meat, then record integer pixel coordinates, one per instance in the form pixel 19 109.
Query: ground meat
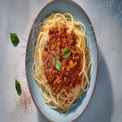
pixel 59 41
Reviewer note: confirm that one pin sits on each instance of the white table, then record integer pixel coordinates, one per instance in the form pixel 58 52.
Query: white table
pixel 17 16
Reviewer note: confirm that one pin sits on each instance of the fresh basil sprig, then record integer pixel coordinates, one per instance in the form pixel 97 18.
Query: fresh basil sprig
pixel 58 65
pixel 66 53
pixel 14 39
pixel 18 87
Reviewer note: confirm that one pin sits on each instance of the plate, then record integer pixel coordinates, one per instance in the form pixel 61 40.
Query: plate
pixel 79 14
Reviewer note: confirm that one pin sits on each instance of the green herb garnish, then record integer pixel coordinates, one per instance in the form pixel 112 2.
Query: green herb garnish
pixel 66 53
pixel 18 87
pixel 14 39
pixel 58 65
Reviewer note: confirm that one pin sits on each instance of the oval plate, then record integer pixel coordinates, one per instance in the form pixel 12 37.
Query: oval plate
pixel 78 13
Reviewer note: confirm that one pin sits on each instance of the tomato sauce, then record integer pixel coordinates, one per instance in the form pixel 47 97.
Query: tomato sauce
pixel 68 77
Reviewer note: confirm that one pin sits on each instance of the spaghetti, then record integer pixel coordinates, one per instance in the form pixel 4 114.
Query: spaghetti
pixel 59 34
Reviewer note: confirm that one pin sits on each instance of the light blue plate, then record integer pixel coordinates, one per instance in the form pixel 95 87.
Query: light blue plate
pixel 79 15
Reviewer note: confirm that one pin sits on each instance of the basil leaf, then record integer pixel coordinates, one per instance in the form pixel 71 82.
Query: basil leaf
pixel 66 53
pixel 18 87
pixel 14 39
pixel 58 65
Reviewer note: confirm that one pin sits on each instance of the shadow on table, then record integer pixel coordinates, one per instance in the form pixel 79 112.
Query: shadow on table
pixel 41 118
pixel 101 105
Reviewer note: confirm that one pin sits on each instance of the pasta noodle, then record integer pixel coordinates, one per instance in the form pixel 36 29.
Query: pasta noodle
pixel 64 99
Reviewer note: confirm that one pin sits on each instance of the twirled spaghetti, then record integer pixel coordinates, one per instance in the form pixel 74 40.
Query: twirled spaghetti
pixel 62 83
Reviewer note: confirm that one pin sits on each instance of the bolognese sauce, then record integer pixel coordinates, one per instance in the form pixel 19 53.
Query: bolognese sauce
pixel 60 40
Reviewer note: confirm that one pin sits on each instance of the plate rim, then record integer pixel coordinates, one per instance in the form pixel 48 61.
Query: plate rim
pixel 28 41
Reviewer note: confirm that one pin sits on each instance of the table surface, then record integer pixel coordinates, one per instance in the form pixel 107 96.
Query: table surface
pixel 18 16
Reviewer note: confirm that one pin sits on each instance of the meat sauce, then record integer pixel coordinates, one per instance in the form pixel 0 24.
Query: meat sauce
pixel 68 77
